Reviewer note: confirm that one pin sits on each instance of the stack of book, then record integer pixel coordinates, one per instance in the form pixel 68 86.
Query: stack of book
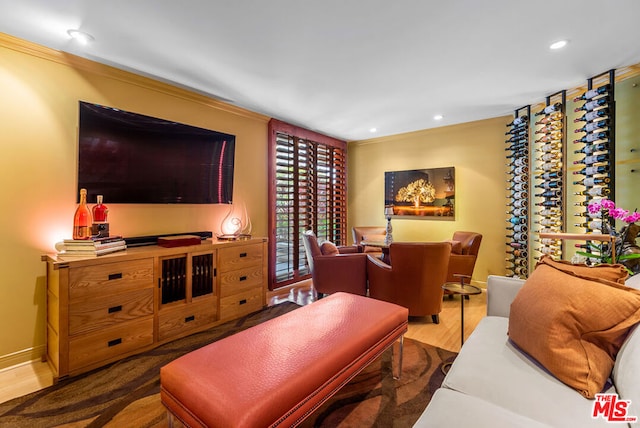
pixel 90 247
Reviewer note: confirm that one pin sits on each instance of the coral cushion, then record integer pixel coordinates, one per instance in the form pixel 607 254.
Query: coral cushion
pixel 572 324
pixel 328 248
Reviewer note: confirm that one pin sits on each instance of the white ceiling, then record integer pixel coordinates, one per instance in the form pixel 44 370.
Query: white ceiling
pixel 342 67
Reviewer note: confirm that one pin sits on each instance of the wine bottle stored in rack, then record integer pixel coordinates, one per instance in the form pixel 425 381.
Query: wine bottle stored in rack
pixel 517 144
pixel 548 178
pixel 597 144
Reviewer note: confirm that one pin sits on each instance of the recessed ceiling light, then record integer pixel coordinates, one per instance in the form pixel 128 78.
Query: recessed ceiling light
pixel 373 130
pixel 558 45
pixel 438 117
pixel 80 36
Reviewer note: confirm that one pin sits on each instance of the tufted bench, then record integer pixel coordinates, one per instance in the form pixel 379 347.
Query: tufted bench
pixel 278 372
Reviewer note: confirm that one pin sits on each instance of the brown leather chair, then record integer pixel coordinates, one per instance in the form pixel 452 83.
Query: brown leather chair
pixel 415 277
pixel 464 252
pixel 371 233
pixel 335 268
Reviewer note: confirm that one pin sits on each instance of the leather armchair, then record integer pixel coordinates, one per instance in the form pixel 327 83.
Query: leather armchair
pixel 336 268
pixel 464 252
pixel 414 279
pixel 372 233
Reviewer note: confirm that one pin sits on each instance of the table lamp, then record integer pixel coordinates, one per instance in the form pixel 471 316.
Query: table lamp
pixel 388 212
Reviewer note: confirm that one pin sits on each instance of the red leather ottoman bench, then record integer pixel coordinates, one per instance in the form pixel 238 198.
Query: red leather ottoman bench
pixel 278 372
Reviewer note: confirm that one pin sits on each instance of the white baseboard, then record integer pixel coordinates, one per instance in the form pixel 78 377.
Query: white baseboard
pixel 22 357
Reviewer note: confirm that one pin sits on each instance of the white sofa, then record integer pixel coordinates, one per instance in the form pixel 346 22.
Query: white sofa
pixel 493 384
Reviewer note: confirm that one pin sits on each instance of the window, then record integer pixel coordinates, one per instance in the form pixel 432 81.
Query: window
pixel 307 192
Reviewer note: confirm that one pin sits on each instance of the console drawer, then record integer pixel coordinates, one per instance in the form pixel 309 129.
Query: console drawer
pixel 108 310
pixel 237 281
pixel 234 258
pixel 176 320
pixel 110 343
pixel 242 303
pixel 106 278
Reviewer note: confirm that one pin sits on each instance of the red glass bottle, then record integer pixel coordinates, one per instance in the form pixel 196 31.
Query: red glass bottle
pixel 100 211
pixel 82 218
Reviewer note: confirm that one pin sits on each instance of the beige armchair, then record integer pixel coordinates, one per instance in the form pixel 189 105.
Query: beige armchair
pixel 414 279
pixel 335 268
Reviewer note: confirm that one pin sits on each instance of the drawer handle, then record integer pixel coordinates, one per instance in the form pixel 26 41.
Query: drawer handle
pixel 115 276
pixel 190 318
pixel 115 309
pixel 243 254
pixel 243 278
pixel 243 301
pixel 114 342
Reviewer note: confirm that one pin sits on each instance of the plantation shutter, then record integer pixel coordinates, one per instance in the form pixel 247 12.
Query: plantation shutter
pixel 308 172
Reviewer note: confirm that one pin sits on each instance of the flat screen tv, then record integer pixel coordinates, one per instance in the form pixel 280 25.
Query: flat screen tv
pixel 136 159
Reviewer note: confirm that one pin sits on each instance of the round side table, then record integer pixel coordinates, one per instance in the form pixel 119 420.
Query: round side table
pixel 462 290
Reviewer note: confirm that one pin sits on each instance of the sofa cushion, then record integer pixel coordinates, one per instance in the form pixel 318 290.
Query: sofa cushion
pixel 501 290
pixel 626 373
pixel 328 248
pixel 633 281
pixel 449 408
pixel 490 367
pixel 572 325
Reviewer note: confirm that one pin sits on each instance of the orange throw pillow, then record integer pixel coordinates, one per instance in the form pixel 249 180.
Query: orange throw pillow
pixel 608 272
pixel 574 325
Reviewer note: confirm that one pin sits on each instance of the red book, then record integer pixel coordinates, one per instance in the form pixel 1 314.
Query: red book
pixel 178 241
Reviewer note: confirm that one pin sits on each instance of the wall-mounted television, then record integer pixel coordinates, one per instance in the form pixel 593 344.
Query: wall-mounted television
pixel 131 158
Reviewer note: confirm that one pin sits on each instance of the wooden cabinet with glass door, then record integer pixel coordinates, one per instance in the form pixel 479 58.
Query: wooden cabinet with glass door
pixel 188 299
pixel 105 308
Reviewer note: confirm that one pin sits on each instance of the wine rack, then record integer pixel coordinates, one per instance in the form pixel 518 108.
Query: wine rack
pixel 518 207
pixel 549 179
pixel 596 148
pixel 174 279
pixel 203 275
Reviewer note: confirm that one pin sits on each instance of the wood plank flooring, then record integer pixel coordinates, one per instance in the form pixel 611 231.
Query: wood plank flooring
pixel 444 335
pixel 26 378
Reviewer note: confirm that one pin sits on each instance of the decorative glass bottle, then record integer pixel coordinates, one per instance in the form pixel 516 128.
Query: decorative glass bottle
pixel 82 218
pixel 100 227
pixel 100 211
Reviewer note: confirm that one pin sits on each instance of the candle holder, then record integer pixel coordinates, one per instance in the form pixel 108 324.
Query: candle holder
pixel 388 239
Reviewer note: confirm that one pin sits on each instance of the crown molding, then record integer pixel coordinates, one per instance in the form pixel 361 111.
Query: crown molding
pixel 79 63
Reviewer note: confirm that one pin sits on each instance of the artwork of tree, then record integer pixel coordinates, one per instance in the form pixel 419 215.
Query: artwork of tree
pixel 419 191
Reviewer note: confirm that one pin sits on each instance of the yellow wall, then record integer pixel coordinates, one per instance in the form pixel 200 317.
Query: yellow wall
pixel 475 149
pixel 38 162
pixel 38 166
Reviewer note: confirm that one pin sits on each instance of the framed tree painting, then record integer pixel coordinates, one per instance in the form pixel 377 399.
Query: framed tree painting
pixel 422 193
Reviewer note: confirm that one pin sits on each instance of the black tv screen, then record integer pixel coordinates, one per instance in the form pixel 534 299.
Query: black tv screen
pixel 136 159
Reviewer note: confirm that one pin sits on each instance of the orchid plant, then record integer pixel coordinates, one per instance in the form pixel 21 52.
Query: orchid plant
pixel 607 211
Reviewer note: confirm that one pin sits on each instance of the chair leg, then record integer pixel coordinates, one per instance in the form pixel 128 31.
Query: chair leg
pixel 435 318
